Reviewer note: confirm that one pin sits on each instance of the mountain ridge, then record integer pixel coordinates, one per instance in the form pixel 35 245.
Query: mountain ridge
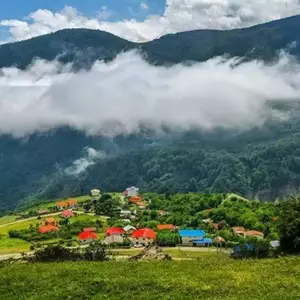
pixel 261 41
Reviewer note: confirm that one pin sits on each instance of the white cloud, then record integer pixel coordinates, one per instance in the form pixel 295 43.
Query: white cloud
pixel 82 164
pixel 118 96
pixel 179 15
pixel 144 6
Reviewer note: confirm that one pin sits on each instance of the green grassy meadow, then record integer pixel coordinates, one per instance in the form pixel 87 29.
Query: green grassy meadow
pixel 9 245
pixel 210 277
pixel 7 219
pixel 50 203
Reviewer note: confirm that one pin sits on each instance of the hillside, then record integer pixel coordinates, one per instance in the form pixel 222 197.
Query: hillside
pixel 260 162
pixel 83 46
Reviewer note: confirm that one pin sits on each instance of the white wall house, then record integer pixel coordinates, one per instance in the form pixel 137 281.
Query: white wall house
pixel 132 191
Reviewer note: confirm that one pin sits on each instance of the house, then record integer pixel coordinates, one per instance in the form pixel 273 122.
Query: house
pixel 166 227
pixel 113 239
pixel 190 236
pixel 67 214
pixel 87 237
pixel 254 233
pixel 71 203
pixel 131 192
pixel 90 229
pixel 62 205
pixel 129 229
pixel 43 211
pixel 141 205
pixel 95 193
pixel 216 226
pixel 143 236
pixel 205 242
pixel 114 231
pixel 135 199
pixel 50 221
pixel 161 212
pixel 239 231
pixel 219 240
pixel 207 221
pixel 48 228
pixel 125 213
pixel 275 244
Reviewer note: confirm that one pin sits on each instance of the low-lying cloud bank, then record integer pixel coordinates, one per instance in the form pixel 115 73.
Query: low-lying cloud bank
pixel 119 96
pixel 178 15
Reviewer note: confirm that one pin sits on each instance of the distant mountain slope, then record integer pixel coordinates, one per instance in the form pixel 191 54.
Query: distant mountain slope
pixel 84 46
pixel 261 162
pixel 81 46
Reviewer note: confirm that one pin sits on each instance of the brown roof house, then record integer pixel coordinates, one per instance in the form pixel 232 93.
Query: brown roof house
pixel 239 231
pixel 254 233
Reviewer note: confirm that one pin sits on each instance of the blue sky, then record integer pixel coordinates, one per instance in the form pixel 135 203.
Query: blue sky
pixel 17 9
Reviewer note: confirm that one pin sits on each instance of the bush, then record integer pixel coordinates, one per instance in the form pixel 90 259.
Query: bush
pixel 56 253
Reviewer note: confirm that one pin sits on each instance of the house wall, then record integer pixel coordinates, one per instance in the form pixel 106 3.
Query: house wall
pixel 132 193
pixel 113 239
pixel 87 241
pixel 188 240
pixel 142 241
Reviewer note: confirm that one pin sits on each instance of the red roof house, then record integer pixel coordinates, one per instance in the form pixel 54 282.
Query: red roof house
pixel 48 228
pixel 67 214
pixel 87 237
pixel 115 231
pixel 144 233
pixel 166 226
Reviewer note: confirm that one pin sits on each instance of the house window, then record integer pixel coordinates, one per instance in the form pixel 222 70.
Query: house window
pixel 137 243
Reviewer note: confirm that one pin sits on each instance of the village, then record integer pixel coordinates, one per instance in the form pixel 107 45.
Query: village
pixel 116 221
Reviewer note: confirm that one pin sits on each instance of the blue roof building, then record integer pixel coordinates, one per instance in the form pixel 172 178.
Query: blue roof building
pixel 194 237
pixel 205 241
pixel 194 233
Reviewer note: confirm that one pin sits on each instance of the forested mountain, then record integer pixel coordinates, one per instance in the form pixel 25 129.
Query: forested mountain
pixel 84 46
pixel 261 162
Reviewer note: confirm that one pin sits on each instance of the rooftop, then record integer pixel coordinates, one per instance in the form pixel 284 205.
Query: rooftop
pixel 144 233
pixel 191 232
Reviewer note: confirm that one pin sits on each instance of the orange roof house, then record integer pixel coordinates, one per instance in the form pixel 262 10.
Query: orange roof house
pixel 135 199
pixel 166 226
pixel 62 204
pixel 50 221
pixel 71 202
pixel 48 228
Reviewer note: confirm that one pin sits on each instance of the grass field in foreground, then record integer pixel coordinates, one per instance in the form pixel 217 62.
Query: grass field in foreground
pixel 211 278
